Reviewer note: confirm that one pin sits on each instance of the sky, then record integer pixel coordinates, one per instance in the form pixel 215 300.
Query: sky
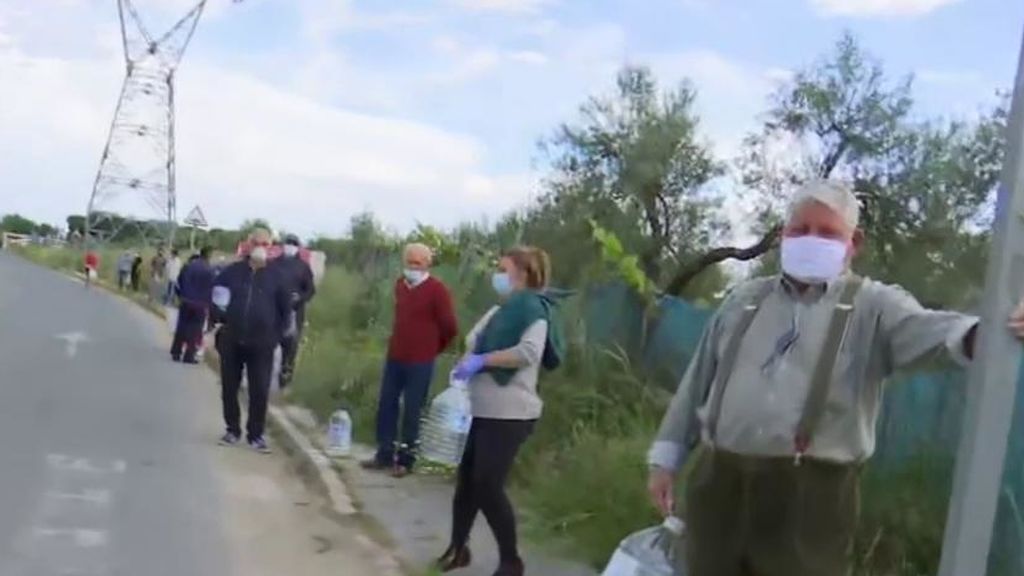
pixel 305 112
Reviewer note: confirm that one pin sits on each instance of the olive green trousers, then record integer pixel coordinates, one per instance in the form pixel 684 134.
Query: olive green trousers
pixel 750 516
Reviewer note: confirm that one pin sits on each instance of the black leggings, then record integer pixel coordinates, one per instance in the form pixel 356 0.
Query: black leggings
pixel 490 452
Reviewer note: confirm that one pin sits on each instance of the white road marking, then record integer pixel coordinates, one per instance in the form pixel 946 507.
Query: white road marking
pixel 99 497
pixel 63 462
pixel 82 537
pixel 71 341
pixel 70 532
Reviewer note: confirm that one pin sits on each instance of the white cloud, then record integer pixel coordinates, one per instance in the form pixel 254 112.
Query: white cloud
pixel 447 45
pixel 511 6
pixel 868 8
pixel 463 63
pixel 730 94
pixel 245 148
pixel 471 65
pixel 528 57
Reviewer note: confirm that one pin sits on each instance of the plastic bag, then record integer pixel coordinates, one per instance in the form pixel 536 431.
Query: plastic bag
pixel 656 551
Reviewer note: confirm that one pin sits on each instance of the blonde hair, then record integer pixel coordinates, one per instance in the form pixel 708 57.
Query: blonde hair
pixel 534 263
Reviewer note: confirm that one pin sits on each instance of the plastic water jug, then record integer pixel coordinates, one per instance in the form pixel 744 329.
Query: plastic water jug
pixel 339 434
pixel 445 427
pixel 171 318
pixel 656 551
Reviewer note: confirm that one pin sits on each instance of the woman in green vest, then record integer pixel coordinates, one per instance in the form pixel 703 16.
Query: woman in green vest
pixel 508 347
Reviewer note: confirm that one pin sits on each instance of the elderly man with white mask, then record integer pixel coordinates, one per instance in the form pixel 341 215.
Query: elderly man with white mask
pixel 783 394
pixel 424 326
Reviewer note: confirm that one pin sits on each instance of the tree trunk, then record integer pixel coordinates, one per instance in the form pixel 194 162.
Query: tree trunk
pixel 688 272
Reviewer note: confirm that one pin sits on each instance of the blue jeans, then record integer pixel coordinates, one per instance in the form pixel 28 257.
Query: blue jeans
pixel 408 384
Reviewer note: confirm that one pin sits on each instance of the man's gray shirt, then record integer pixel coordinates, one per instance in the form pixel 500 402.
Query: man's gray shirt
pixel 770 380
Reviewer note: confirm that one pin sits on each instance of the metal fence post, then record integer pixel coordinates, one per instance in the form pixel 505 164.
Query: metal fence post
pixel 993 374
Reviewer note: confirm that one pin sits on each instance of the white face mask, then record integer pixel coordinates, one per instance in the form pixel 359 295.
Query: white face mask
pixel 290 250
pixel 258 254
pixel 414 277
pixel 813 259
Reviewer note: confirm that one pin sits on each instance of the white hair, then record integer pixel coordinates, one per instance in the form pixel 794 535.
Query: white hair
pixel 836 195
pixel 420 248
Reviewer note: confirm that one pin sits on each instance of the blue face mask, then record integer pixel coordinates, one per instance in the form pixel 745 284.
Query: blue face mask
pixel 502 283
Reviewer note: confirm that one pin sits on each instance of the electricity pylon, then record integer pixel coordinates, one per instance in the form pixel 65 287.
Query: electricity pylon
pixel 135 183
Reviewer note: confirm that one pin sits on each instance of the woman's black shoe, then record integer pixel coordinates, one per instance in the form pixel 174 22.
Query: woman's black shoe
pixel 454 559
pixel 513 568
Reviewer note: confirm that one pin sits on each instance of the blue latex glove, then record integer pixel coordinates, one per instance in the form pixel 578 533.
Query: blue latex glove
pixel 469 366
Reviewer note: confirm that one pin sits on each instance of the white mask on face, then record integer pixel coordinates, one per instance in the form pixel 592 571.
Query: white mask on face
pixel 290 250
pixel 258 254
pixel 813 259
pixel 414 277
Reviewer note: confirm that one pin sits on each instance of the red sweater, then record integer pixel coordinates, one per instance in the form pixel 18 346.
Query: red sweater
pixel 424 321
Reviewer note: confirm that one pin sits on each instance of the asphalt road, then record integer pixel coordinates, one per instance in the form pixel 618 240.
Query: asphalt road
pixel 108 462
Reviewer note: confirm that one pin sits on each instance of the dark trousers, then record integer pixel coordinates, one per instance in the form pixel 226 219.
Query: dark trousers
pixel 751 516
pixel 258 363
pixel 290 350
pixel 188 333
pixel 403 391
pixel 491 450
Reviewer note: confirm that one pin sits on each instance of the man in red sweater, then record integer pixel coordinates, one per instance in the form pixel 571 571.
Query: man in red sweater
pixel 424 327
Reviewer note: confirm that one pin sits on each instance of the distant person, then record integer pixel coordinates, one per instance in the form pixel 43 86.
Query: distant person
pixel 508 346
pixel 172 269
pixel 136 272
pixel 124 270
pixel 298 277
pixel 194 285
pixel 92 266
pixel 252 302
pixel 424 326
pixel 157 281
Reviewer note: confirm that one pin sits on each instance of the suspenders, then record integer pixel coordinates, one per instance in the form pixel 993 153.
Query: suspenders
pixel 821 378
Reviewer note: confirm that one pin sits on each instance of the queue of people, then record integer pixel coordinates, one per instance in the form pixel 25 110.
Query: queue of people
pixel 778 406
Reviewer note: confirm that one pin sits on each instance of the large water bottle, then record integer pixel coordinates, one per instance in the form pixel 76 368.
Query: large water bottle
pixel 339 434
pixel 445 427
pixel 656 551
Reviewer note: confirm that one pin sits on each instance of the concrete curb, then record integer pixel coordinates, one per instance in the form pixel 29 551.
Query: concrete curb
pixel 337 492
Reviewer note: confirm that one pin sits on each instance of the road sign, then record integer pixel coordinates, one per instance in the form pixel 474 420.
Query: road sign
pixel 195 218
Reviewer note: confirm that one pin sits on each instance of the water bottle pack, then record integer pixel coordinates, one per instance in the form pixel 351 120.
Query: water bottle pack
pixel 656 551
pixel 445 427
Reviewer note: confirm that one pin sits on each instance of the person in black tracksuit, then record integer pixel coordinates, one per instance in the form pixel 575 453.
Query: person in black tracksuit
pixel 299 278
pixel 194 284
pixel 252 302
